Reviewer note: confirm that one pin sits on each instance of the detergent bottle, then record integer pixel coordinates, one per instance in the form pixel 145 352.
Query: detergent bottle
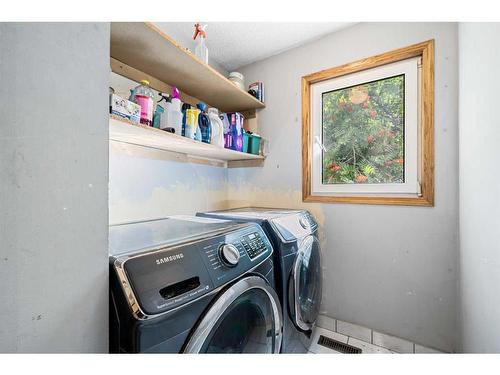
pixel 191 127
pixel 201 50
pixel 204 123
pixel 226 130
pixel 174 113
pixel 217 127
pixel 237 131
pixel 197 133
pixel 145 97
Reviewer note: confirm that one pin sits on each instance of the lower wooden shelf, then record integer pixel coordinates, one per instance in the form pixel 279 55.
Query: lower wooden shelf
pixel 146 136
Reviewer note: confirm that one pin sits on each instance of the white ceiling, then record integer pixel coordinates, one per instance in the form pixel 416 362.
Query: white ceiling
pixel 235 44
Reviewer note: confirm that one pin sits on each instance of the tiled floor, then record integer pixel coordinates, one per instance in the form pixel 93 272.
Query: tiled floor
pixel 367 340
pixel 315 348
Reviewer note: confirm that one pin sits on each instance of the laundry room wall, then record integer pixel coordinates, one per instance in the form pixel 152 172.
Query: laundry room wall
pixel 53 187
pixel 149 184
pixel 479 187
pixel 390 268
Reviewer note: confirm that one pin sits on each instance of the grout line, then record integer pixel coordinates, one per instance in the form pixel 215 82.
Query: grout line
pixel 413 350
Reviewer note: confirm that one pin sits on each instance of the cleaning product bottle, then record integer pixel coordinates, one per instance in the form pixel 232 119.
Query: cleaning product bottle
pixel 204 123
pixel 226 130
pixel 158 115
pixel 201 50
pixel 237 131
pixel 144 96
pixel 165 100
pixel 174 118
pixel 197 133
pixel 185 107
pixel 217 127
pixel 192 123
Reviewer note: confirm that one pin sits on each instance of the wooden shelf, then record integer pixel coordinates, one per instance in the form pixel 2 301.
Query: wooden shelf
pixel 144 47
pixel 139 135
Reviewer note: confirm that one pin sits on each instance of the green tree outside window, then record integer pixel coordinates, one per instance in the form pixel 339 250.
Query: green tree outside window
pixel 363 133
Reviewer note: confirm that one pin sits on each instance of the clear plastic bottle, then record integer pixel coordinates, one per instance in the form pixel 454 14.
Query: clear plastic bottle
pixel 201 50
pixel 145 97
pixel 217 137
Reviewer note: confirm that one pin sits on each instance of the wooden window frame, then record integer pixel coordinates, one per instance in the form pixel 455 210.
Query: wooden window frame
pixel 426 145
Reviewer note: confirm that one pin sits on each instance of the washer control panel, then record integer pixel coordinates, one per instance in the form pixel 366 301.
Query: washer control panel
pixel 166 278
pixel 231 255
pixel 254 245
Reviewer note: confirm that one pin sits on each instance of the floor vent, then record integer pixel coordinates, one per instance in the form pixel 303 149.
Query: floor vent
pixel 337 345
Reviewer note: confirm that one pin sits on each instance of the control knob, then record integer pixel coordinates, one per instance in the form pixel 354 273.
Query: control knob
pixel 303 222
pixel 229 255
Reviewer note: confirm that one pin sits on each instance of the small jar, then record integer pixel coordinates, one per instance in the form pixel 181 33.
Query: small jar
pixel 238 79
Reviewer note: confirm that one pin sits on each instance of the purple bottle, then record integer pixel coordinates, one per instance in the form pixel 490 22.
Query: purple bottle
pixel 236 131
pixel 228 139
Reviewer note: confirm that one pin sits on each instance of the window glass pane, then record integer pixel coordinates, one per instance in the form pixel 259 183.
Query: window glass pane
pixel 363 133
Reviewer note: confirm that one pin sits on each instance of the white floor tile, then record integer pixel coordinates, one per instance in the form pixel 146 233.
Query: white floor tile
pixel 326 322
pixel 367 348
pixel 419 349
pixel 392 343
pixel 353 330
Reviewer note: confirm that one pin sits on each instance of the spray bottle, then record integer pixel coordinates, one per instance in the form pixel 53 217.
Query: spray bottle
pixel 201 50
pixel 174 114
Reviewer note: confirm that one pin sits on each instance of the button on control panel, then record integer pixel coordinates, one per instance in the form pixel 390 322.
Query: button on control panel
pixel 253 244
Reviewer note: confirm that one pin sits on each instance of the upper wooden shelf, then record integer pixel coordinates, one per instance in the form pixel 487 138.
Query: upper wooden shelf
pixel 146 48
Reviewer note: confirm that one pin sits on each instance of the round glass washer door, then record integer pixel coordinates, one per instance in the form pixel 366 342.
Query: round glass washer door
pixel 245 318
pixel 305 284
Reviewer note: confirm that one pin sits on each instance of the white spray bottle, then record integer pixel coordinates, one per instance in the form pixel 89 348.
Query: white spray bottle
pixel 201 50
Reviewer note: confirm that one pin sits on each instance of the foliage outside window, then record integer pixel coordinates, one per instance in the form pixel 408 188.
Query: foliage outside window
pixel 363 133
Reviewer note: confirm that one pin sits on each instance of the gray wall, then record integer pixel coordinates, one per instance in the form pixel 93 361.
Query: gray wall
pixel 479 187
pixel 54 187
pixel 393 269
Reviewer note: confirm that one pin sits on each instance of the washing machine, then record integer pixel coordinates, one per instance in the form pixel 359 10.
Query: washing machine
pixel 297 256
pixel 192 285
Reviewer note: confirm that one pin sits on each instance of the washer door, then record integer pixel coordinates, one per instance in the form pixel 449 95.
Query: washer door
pixel 245 318
pixel 305 283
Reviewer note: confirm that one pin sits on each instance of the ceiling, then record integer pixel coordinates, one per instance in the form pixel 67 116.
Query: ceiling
pixel 235 44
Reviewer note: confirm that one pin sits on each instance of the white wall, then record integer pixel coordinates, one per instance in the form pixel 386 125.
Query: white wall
pixel 53 187
pixel 390 268
pixel 479 187
pixel 159 186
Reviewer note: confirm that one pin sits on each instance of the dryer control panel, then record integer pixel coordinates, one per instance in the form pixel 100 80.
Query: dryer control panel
pixel 163 279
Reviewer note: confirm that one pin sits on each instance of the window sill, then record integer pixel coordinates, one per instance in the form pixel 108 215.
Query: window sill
pixel 377 200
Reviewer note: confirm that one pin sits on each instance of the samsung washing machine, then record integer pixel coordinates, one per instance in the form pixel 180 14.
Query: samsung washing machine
pixel 297 256
pixel 192 285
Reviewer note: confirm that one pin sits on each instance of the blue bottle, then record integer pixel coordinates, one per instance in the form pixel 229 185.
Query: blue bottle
pixel 204 125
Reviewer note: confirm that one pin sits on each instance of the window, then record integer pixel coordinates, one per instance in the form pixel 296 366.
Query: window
pixel 368 130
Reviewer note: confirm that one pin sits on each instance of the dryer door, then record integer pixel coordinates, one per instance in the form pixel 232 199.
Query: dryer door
pixel 304 291
pixel 245 318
